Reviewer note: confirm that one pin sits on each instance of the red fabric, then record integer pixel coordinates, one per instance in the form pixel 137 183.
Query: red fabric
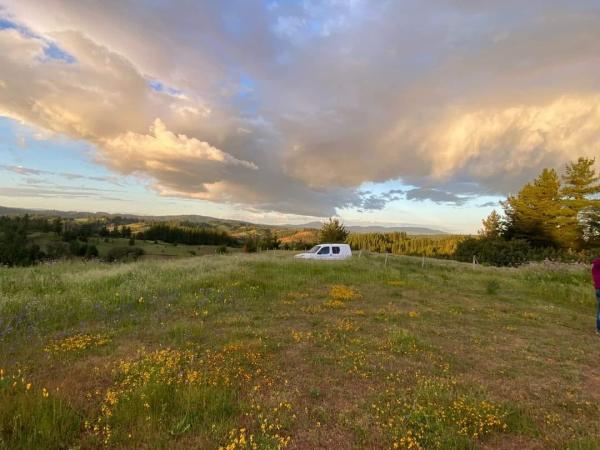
pixel 596 272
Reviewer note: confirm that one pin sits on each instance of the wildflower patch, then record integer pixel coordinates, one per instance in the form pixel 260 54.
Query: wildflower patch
pixel 343 293
pixel 301 336
pixel 436 414
pixel 76 343
pixel 339 294
pixel 334 304
pixel 173 391
pixel 33 411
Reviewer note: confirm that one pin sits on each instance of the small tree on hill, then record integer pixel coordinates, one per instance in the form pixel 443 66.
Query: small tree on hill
pixel 492 226
pixel 333 231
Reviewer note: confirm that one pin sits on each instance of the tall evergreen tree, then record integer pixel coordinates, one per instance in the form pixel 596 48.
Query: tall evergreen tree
pixel 580 186
pixel 492 226
pixel 532 213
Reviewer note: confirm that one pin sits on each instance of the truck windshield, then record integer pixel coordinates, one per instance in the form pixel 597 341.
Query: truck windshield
pixel 314 249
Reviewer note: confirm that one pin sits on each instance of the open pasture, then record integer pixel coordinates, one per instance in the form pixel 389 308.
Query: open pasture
pixel 261 351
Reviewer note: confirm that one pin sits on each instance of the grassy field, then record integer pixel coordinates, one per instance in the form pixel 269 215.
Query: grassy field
pixel 261 351
pixel 152 249
pixel 159 249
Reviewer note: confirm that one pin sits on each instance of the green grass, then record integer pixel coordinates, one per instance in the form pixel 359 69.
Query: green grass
pixel 153 250
pixel 264 350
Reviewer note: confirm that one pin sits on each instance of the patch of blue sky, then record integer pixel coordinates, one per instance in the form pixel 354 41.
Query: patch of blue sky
pixel 245 96
pixel 6 24
pixel 159 86
pixel 441 215
pixel 51 50
pixel 423 213
pixel 383 187
pixel 52 154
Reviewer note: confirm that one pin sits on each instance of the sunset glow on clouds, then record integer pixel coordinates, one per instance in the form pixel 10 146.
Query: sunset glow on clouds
pixel 402 111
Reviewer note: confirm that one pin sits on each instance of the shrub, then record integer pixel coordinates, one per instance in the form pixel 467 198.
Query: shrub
pixel 250 245
pixel 123 254
pixel 91 251
pixel 333 231
pixel 57 250
pixel 513 252
pixel 497 252
pixel 76 248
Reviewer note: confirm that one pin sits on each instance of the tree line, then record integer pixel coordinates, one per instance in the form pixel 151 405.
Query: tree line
pixel 399 243
pixel 554 216
pixel 17 248
pixel 186 235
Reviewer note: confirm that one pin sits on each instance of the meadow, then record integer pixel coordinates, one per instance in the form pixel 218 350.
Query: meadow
pixel 152 249
pixel 264 352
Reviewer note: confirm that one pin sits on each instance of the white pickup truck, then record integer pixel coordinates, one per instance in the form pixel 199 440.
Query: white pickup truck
pixel 327 252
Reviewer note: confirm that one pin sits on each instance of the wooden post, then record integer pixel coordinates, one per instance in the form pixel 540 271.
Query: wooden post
pixel 386 257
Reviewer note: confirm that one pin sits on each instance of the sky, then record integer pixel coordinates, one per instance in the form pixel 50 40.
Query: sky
pixel 286 111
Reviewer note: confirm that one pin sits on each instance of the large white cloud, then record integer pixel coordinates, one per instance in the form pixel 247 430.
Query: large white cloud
pixel 292 106
pixel 161 136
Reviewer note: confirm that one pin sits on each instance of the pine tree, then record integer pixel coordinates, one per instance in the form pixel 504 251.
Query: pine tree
pixel 580 185
pixel 532 213
pixel 333 231
pixel 492 226
pixel 589 218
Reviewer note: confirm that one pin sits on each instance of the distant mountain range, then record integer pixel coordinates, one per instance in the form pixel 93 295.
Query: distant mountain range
pixel 376 228
pixel 5 211
pixel 213 221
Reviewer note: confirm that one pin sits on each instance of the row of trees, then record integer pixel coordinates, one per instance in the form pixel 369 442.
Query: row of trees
pixel 185 235
pixel 552 211
pixel 398 243
pixel 402 244
pixel 17 248
pixel 553 216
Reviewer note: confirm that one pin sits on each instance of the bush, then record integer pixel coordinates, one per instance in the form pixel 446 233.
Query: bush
pixel 494 251
pixel 222 250
pixel 123 254
pixel 76 248
pixel 513 252
pixel 250 245
pixel 91 251
pixel 57 250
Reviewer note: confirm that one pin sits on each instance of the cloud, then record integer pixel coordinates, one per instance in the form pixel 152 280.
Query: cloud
pixel 181 166
pixel 64 98
pixel 488 204
pixel 436 196
pixel 56 192
pixel 458 99
pixel 28 171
